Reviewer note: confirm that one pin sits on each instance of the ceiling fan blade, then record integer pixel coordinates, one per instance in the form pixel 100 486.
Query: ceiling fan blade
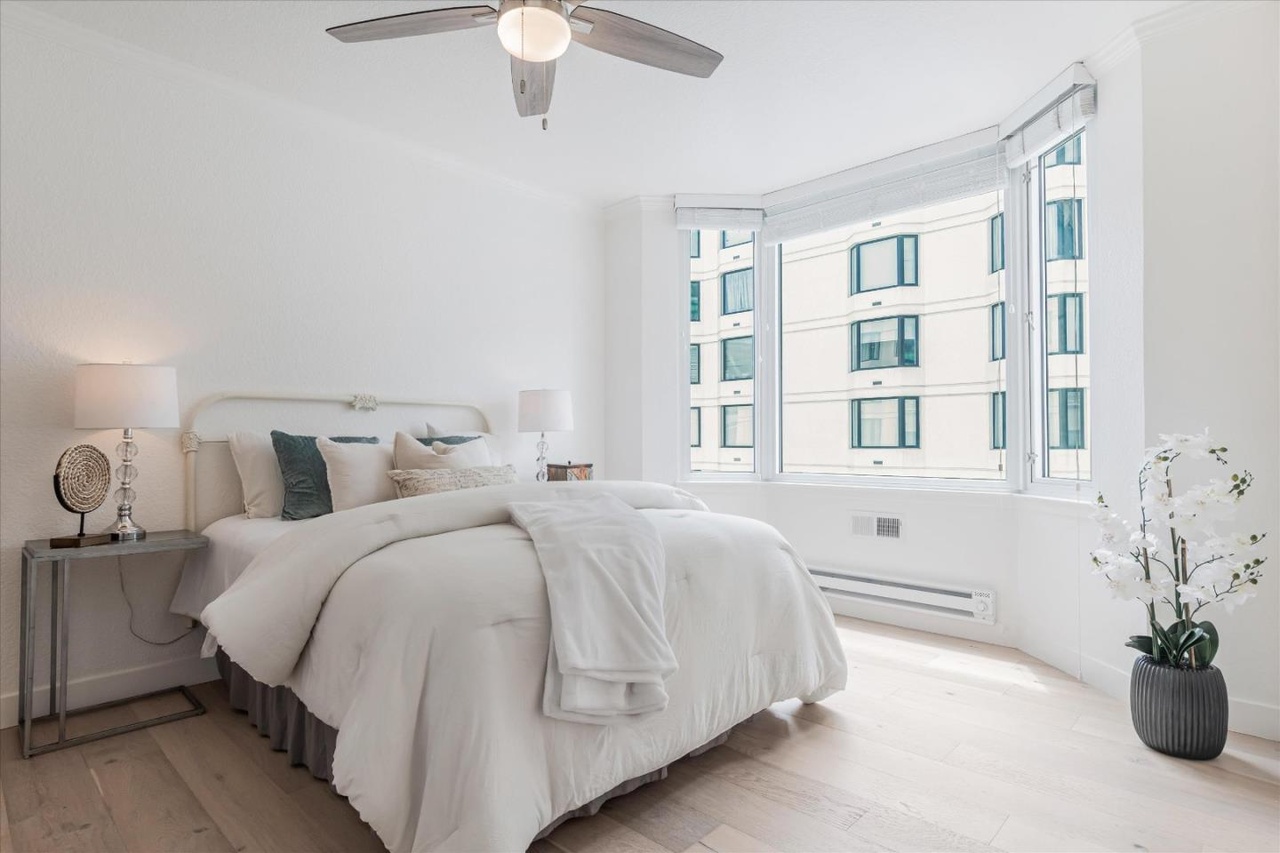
pixel 416 24
pixel 538 78
pixel 640 42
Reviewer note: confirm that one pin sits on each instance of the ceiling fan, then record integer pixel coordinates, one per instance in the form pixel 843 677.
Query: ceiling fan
pixel 537 32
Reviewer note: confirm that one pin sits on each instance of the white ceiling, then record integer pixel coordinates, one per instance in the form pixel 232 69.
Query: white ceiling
pixel 807 87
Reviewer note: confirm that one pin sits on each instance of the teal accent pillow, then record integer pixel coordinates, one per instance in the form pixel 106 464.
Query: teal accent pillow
pixel 306 478
pixel 448 439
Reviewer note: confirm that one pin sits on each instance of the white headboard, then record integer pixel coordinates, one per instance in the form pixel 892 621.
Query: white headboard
pixel 208 456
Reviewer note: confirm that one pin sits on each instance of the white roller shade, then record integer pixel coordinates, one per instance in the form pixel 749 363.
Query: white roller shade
pixel 1062 119
pixel 957 168
pixel 692 218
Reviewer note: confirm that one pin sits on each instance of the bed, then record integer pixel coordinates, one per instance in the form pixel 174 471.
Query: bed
pixel 400 651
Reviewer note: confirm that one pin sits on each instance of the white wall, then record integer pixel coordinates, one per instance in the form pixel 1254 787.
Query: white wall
pixel 150 213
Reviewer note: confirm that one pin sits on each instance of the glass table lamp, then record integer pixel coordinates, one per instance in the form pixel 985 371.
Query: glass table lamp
pixel 127 397
pixel 542 411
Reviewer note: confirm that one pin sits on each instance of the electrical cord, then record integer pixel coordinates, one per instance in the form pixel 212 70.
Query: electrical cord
pixel 129 604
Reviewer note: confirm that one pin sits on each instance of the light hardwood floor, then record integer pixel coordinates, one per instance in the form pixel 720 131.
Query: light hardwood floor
pixel 938 744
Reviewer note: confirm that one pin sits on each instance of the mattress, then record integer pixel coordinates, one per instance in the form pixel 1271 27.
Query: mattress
pixel 233 543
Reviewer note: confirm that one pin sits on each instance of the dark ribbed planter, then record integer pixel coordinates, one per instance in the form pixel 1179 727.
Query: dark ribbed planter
pixel 1180 712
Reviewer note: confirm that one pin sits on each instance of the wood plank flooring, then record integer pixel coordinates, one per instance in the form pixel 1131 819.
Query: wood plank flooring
pixel 938 744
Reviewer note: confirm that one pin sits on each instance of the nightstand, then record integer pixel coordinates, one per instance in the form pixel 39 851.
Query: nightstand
pixel 38 551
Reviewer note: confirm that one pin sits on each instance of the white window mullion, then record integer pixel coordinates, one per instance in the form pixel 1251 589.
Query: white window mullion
pixel 768 356
pixel 686 396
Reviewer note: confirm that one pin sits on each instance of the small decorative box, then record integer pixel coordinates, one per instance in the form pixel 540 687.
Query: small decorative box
pixel 580 471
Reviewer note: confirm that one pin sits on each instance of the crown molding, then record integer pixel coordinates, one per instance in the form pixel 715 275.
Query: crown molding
pixel 639 204
pixel 1132 38
pixel 20 17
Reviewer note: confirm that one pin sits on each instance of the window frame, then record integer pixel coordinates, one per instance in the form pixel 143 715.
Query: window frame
pixel 1000 311
pixel 855 263
pixel 1071 146
pixel 1003 411
pixel 695 364
pixel 724 422
pixel 724 360
pixel 724 296
pixel 992 269
pixel 855 343
pixel 1077 206
pixel 1063 410
pixel 855 423
pixel 695 300
pixel 695 417
pixel 1062 299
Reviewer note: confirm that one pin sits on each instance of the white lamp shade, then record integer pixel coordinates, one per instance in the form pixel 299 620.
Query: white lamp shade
pixel 126 396
pixel 546 410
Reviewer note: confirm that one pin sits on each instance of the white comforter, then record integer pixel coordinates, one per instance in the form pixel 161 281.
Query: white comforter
pixel 419 628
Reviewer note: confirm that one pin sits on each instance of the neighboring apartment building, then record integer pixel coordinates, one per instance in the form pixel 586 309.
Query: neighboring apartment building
pixel 894 338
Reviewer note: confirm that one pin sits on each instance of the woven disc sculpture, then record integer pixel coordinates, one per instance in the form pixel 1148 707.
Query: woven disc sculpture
pixel 81 480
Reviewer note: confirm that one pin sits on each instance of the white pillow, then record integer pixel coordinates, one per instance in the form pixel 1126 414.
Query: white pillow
pixel 260 478
pixel 495 455
pixel 413 483
pixel 357 473
pixel 411 454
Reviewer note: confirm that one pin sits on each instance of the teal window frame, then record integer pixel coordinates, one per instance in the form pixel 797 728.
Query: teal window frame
pixel 1063 348
pixel 905 358
pixel 904 403
pixel 999 420
pixel 695 364
pixel 908 273
pixel 695 243
pixel 724 239
pixel 1070 436
pixel 999 331
pixel 695 418
pixel 695 301
pixel 724 358
pixel 724 291
pixel 995 243
pixel 1066 154
pixel 1068 229
pixel 724 420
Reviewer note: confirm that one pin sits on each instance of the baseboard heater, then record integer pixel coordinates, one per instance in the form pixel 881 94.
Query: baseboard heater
pixel 959 602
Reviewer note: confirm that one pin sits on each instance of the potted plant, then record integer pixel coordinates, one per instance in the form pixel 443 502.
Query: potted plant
pixel 1176 559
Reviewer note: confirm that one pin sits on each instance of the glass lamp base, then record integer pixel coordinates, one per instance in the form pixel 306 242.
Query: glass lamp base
pixel 124 530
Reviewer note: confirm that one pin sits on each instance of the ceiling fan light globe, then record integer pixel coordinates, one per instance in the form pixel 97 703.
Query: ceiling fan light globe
pixel 534 31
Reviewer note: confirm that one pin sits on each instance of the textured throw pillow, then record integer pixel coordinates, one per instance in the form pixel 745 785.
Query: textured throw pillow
pixel 413 454
pixel 491 440
pixel 412 483
pixel 357 473
pixel 306 482
pixel 260 479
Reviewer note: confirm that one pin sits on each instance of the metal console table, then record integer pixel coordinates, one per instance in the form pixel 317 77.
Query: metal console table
pixel 37 551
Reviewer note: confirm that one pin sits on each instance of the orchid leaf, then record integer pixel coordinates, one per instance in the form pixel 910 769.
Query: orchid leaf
pixel 1208 650
pixel 1142 643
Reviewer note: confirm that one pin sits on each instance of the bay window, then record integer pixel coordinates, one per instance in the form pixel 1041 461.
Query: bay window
pixel 826 289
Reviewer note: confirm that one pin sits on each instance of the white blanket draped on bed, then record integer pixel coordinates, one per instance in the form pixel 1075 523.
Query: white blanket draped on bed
pixel 605 572
pixel 420 628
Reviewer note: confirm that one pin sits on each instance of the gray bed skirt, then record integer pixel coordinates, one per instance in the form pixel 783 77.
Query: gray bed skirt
pixel 281 717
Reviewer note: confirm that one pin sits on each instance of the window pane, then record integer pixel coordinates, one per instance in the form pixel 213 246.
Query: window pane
pixel 695 244
pixel 737 359
pixel 728 239
pixel 695 426
pixel 724 337
pixel 998 312
pixel 929 416
pixel 996 248
pixel 738 290
pixel 737 427
pixel 998 420
pixel 1064 281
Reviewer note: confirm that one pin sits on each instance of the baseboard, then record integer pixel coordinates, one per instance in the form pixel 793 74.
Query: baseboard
pixel 106 687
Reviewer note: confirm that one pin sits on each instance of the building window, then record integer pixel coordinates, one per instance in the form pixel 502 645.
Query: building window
pixel 737 358
pixel 729 239
pixel 695 426
pixel 737 291
pixel 887 262
pixel 995 243
pixel 695 364
pixel 887 342
pixel 737 426
pixel 1064 229
pixel 998 313
pixel 998 420
pixel 695 244
pixel 1066 418
pixel 695 301
pixel 1064 324
pixel 1066 154
pixel 885 422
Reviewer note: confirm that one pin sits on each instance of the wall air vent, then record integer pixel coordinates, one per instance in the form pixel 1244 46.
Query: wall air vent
pixel 874 524
pixel 974 604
